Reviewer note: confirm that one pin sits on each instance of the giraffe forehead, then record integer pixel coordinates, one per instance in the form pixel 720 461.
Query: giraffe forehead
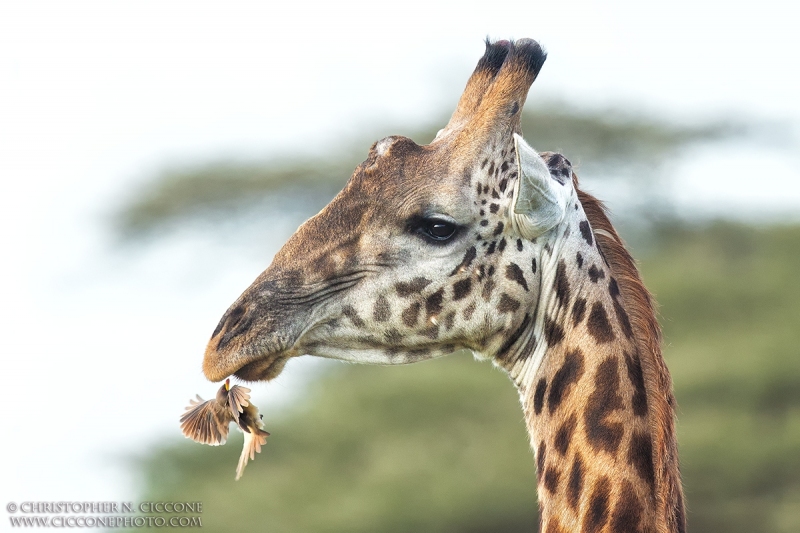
pixel 382 206
pixel 399 188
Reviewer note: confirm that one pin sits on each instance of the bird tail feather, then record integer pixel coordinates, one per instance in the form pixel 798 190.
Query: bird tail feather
pixel 252 445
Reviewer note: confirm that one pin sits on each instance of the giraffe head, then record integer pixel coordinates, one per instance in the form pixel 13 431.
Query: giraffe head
pixel 426 250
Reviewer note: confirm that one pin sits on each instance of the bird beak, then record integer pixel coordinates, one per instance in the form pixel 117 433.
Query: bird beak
pixel 228 384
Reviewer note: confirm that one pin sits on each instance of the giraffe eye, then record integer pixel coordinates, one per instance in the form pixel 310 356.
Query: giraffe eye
pixel 438 229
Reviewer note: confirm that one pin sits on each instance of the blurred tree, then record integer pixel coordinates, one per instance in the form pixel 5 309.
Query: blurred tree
pixel 607 143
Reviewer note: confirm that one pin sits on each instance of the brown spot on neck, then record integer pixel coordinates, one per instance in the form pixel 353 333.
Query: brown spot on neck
pixel 628 510
pixel 598 325
pixel 569 373
pixel 541 454
pixel 561 284
pixel 551 478
pixel 596 515
pixel 639 400
pixel 564 434
pixel 538 396
pixel 640 455
pixel 575 484
pixel 578 310
pixel 553 332
pixel 602 433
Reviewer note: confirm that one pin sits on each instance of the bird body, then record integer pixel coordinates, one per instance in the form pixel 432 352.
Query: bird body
pixel 207 421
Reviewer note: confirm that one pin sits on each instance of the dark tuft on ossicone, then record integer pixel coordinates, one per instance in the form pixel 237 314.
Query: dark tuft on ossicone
pixel 531 53
pixel 494 56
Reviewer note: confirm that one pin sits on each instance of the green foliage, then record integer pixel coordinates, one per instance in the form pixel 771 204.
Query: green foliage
pixel 441 445
pixel 731 309
pixel 594 141
pixel 225 187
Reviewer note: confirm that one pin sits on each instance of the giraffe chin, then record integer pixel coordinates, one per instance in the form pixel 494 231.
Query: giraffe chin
pixel 263 369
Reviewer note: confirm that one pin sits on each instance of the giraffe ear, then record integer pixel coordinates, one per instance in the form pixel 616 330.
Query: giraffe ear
pixel 539 201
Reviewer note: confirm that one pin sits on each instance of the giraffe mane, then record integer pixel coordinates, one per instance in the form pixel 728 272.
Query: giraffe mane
pixel 641 308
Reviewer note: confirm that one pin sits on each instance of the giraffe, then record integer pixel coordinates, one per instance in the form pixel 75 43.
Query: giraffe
pixel 476 241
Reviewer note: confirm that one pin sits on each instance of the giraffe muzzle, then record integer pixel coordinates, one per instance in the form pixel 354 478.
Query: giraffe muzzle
pixel 255 336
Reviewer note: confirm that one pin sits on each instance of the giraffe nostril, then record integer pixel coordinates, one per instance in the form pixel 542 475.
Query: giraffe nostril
pixel 236 316
pixel 230 320
pixel 237 322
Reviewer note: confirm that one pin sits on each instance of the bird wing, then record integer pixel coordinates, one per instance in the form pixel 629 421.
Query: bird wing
pixel 206 422
pixel 238 399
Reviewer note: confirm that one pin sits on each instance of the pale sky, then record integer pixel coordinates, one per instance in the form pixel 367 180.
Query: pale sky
pixel 97 96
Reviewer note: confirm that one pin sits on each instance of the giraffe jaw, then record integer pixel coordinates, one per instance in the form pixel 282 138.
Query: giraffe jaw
pixel 263 369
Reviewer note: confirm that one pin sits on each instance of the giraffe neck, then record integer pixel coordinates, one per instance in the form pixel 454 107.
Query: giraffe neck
pixel 597 399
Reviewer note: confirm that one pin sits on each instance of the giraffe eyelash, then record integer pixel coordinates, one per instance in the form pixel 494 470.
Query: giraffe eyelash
pixel 435 229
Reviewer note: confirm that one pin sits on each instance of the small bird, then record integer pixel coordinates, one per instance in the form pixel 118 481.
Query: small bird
pixel 207 421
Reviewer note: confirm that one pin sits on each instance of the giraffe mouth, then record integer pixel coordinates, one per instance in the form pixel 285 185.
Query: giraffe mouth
pixel 264 367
